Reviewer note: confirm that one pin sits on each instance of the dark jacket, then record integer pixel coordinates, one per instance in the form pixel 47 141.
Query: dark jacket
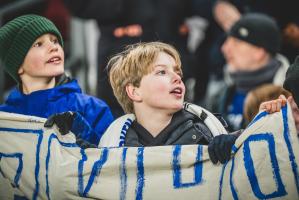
pixel 223 102
pixel 66 97
pixel 184 128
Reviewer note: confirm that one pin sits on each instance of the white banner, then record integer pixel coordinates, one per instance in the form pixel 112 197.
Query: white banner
pixel 38 163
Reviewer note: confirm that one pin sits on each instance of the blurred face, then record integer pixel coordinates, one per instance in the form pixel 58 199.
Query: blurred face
pixel 239 55
pixel 163 87
pixel 45 59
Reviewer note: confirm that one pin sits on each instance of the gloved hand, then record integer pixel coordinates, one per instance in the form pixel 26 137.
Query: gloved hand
pixel 64 121
pixel 73 121
pixel 220 148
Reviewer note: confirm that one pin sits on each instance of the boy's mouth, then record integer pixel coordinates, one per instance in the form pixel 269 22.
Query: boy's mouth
pixel 55 59
pixel 177 91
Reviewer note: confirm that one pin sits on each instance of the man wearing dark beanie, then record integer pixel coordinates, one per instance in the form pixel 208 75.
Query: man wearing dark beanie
pixel 251 52
pixel 31 50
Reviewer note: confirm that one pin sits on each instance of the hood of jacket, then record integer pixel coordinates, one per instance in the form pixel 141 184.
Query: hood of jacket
pixel 43 103
pixel 116 132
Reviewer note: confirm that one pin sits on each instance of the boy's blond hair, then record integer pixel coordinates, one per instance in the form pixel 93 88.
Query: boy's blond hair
pixel 136 61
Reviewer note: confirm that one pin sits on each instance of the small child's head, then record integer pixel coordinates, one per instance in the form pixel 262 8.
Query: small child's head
pixel 18 36
pixel 128 68
pixel 259 95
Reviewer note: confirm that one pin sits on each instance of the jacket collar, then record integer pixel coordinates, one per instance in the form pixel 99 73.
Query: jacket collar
pixel 16 96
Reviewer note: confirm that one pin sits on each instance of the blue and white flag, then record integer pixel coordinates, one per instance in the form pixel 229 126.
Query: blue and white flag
pixel 39 163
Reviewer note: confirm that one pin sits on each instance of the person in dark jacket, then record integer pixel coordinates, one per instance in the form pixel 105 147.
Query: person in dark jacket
pixel 147 81
pixel 31 51
pixel 251 52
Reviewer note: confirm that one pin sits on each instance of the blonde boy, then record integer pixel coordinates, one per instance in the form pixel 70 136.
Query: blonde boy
pixel 147 81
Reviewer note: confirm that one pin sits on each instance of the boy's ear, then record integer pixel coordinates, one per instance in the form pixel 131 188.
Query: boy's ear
pixel 20 70
pixel 133 93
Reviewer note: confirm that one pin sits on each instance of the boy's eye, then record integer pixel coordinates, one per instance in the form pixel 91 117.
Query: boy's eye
pixel 180 74
pixel 37 44
pixel 55 41
pixel 161 72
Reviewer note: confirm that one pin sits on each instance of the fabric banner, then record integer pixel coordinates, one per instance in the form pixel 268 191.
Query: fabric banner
pixel 39 163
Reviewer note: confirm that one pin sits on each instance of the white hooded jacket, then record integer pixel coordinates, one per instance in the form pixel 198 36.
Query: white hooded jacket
pixel 116 133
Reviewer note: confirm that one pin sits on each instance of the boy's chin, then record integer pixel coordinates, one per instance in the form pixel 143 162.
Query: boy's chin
pixel 58 73
pixel 178 107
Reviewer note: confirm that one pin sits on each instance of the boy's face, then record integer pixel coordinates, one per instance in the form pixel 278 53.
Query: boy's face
pixel 163 87
pixel 45 59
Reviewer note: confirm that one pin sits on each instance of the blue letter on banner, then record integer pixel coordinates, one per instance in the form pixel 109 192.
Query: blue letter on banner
pixel 248 162
pixel 177 176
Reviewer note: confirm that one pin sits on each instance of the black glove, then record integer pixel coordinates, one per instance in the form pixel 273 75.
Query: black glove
pixel 64 121
pixel 220 148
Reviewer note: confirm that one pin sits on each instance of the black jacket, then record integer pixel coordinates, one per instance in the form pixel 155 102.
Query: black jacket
pixel 184 128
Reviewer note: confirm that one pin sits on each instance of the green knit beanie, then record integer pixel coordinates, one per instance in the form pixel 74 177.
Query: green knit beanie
pixel 17 37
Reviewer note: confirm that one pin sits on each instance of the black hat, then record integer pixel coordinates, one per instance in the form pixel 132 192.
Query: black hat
pixel 259 30
pixel 292 80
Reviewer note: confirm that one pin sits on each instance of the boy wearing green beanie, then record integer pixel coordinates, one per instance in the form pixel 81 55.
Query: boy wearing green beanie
pixel 31 50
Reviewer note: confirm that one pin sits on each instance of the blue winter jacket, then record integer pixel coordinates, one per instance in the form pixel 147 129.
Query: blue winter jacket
pixel 66 97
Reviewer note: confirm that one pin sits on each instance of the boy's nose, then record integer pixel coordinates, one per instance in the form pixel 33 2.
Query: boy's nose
pixel 177 77
pixel 53 47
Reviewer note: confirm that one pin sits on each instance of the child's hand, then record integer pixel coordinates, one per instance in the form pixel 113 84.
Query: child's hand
pixel 273 105
pixel 220 148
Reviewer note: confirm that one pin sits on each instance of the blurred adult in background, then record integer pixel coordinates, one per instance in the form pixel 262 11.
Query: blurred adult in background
pixel 226 12
pixel 251 52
